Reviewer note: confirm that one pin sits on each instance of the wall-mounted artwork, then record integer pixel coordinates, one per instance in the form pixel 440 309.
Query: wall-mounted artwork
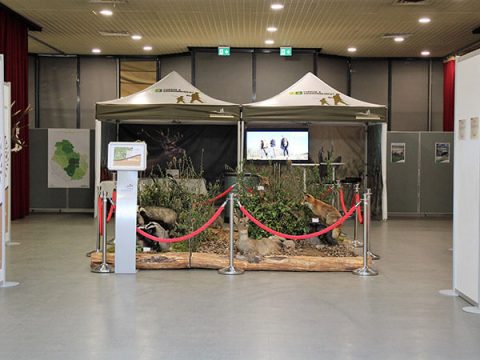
pixel 442 153
pixel 397 152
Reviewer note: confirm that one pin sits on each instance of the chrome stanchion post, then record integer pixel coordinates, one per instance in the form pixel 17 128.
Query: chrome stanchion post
pixel 356 243
pixel 365 270
pixel 104 267
pixel 369 252
pixel 99 236
pixel 230 270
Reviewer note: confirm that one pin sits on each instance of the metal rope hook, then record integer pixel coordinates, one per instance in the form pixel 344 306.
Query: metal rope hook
pixel 104 268
pixel 365 270
pixel 230 269
pixel 356 243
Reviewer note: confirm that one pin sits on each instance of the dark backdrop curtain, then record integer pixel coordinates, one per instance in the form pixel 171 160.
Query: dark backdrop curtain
pixel 448 94
pixel 14 47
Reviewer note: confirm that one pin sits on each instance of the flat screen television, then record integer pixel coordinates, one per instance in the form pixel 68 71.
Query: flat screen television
pixel 277 144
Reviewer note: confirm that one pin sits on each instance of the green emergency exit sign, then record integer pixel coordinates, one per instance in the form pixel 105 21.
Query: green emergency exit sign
pixel 285 51
pixel 224 51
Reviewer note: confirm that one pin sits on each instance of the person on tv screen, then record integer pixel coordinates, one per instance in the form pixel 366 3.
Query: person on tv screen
pixel 284 146
pixel 272 145
pixel 263 148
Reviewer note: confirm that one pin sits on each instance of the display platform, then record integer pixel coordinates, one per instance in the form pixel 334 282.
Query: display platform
pixel 182 260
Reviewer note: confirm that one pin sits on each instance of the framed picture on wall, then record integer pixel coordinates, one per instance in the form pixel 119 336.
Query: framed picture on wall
pixel 397 152
pixel 474 128
pixel 442 153
pixel 461 129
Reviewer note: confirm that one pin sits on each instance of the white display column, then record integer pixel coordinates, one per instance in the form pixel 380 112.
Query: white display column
pixel 3 265
pixel 127 159
pixel 466 189
pixel 8 162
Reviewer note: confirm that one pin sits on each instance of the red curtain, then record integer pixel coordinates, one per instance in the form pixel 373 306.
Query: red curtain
pixel 448 94
pixel 14 47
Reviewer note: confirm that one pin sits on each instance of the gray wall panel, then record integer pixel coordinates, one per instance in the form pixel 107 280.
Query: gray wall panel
pixel 436 179
pixel 370 81
pixel 437 95
pixel 226 78
pixel 40 195
pixel 275 73
pixel 98 78
pixel 31 91
pixel 58 92
pixel 180 64
pixel 402 178
pixel 333 71
pixel 409 95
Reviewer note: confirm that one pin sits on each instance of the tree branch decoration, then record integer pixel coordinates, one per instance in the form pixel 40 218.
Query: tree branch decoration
pixel 17 144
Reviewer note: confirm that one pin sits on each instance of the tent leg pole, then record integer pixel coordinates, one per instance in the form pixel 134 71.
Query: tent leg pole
pixel 365 172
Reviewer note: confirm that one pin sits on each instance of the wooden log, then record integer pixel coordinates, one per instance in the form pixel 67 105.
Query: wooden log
pixel 171 260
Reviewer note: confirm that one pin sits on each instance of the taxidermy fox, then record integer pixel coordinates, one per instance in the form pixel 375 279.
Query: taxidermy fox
pixel 327 213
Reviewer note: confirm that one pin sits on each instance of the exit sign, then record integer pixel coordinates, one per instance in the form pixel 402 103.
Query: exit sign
pixel 285 51
pixel 224 51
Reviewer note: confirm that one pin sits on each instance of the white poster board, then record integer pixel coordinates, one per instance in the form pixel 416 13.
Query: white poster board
pixel 466 188
pixel 7 159
pixel 68 158
pixel 2 217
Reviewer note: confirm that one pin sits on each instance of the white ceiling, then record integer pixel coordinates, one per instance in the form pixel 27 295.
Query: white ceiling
pixel 171 26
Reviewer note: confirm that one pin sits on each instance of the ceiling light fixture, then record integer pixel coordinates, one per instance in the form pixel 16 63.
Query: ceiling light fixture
pixel 96 51
pixel 399 39
pixel 424 20
pixel 272 29
pixel 352 49
pixel 106 12
pixel 276 6
pixel 269 42
pixel 147 48
pixel 425 53
pixel 137 37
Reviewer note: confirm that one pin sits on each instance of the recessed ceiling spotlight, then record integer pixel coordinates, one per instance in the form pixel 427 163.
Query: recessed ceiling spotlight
pixel 352 49
pixel 424 20
pixel 269 42
pixel 106 12
pixel 399 39
pixel 147 48
pixel 96 51
pixel 425 53
pixel 272 29
pixel 137 37
pixel 276 6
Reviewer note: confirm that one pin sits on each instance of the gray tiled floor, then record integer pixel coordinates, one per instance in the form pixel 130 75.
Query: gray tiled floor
pixel 62 311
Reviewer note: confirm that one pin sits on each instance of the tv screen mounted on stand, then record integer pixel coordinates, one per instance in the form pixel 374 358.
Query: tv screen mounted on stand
pixel 277 144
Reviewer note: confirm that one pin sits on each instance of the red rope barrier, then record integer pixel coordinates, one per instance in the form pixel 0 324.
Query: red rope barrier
pixel 112 207
pixel 219 196
pixel 188 236
pixel 359 211
pixel 342 201
pixel 297 237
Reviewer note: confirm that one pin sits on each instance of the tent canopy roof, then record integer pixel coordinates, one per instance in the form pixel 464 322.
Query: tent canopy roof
pixel 172 98
pixel 311 99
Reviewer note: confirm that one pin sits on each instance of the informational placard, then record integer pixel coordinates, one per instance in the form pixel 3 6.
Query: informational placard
pixel 127 156
pixel 442 153
pixel 68 158
pixel 461 129
pixel 474 128
pixel 397 152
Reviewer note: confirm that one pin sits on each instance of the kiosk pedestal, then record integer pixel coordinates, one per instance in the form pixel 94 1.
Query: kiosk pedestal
pixel 127 159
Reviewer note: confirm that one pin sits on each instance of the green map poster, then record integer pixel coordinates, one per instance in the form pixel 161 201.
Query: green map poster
pixel 68 158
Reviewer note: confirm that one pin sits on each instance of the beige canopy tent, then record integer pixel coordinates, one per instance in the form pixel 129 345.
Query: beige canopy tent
pixel 171 100
pixel 312 101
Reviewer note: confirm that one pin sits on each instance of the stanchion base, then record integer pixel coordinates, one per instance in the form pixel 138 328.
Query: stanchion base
pixel 448 292
pixel 12 243
pixel 9 284
pixel 472 309
pixel 357 244
pixel 365 271
pixel 373 256
pixel 102 269
pixel 230 270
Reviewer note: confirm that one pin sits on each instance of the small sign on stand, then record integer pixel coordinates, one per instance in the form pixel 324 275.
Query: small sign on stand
pixel 127 158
